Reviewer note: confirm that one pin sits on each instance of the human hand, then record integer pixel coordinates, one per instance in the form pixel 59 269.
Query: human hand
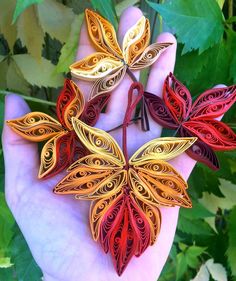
pixel 56 227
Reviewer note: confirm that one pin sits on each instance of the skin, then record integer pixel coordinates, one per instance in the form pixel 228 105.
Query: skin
pixel 56 227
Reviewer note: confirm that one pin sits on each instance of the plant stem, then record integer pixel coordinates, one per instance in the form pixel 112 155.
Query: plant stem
pixel 131 75
pixel 28 98
pixel 118 127
pixel 230 8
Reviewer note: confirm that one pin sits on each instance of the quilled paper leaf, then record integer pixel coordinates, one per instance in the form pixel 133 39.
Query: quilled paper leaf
pixel 63 146
pixel 98 141
pixel 108 83
pixel 55 155
pixel 149 55
pixel 136 40
pixel 161 185
pixel 93 109
pixel 196 119
pixel 159 111
pixel 36 126
pixel 125 231
pixel 70 103
pixel 102 33
pixel 214 133
pixel 201 152
pixel 125 217
pixel 177 98
pixel 107 67
pixel 213 103
pixel 95 66
pixel 161 149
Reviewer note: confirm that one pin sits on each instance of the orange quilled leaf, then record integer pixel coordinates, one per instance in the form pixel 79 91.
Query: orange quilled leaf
pixel 108 65
pixel 125 215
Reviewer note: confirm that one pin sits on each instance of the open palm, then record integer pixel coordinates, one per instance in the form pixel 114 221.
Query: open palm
pixel 56 227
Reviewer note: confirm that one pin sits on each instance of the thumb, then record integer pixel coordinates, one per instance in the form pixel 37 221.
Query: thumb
pixel 20 155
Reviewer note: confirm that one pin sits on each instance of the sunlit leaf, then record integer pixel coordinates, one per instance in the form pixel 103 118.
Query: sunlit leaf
pixel 15 80
pixel 216 270
pixel 38 73
pixel 68 51
pixel 55 19
pixel 30 32
pixel 21 5
pixel 5 262
pixel 231 252
pixel 6 28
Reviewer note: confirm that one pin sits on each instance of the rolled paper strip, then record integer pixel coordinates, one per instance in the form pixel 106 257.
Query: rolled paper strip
pixel 176 111
pixel 125 215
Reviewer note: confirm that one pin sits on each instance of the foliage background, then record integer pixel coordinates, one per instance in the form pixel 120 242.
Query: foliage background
pixel 38 40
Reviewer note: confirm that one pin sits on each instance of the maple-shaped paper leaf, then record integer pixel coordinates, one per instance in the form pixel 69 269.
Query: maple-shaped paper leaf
pixel 125 215
pixel 176 111
pixel 63 146
pixel 108 66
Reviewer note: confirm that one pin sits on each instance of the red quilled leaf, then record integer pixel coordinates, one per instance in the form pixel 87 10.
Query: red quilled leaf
pixel 159 111
pixel 93 109
pixel 213 103
pixel 201 152
pixel 70 103
pixel 214 133
pixel 177 98
pixel 124 231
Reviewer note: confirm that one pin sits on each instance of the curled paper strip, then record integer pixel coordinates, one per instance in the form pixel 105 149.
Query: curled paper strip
pixel 108 66
pixel 176 111
pixel 63 146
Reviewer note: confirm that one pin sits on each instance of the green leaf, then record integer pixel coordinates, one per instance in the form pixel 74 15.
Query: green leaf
pixel 231 40
pixel 25 266
pixel 198 24
pixel 194 227
pixel 38 73
pixel 231 19
pixel 181 266
pixel 30 32
pixel 5 262
pixel 6 28
pixel 216 70
pixel 188 66
pixel 15 79
pixel 68 51
pixel 6 225
pixel 198 211
pixel 192 255
pixel 231 252
pixel 55 19
pixel 213 202
pixel 2 58
pixel 220 3
pixel 21 5
pixel 8 274
pixel 107 9
pixel 3 74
